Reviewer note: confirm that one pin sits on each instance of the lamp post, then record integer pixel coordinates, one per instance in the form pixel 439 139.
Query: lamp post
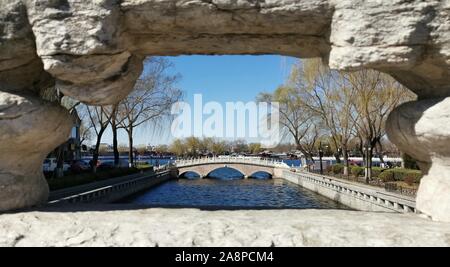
pixel 320 157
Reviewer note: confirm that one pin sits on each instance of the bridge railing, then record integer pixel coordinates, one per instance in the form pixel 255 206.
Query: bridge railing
pixel 245 160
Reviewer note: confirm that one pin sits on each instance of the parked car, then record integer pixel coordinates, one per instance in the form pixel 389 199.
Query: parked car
pixel 106 165
pixel 49 165
pixel 79 165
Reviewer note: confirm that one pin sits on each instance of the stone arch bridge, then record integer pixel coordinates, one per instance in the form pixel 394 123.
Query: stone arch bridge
pixel 246 166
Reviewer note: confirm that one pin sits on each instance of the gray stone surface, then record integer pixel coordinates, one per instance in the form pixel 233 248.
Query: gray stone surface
pixel 421 129
pixel 191 227
pixel 20 67
pixel 408 39
pixel 92 51
pixel 29 129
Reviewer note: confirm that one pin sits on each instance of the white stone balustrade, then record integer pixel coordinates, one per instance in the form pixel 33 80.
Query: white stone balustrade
pixel 243 160
pixel 356 196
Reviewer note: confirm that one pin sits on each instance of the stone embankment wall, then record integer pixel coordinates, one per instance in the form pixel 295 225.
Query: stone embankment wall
pixel 353 195
pixel 114 191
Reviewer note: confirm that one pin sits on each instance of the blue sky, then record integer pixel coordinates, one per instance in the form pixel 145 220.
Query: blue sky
pixel 220 79
pixel 230 78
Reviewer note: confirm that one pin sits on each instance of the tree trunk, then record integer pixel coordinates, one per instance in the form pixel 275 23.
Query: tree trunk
pixel 59 170
pixel 368 171
pixel 337 156
pixel 369 162
pixel 130 147
pixel 96 150
pixel 345 156
pixel 363 153
pixel 380 155
pixel 380 152
pixel 307 155
pixel 95 157
pixel 115 144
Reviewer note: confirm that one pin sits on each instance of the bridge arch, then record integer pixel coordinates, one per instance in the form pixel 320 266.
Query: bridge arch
pixel 184 174
pixel 261 175
pixel 239 172
pixel 247 169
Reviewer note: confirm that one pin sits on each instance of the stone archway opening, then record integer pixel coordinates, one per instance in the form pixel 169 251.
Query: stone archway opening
pixel 261 175
pixel 225 173
pixel 190 175
pixel 92 51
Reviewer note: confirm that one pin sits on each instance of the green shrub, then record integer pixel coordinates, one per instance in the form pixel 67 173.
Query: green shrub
pixel 409 179
pixel 386 176
pixel 399 174
pixel 376 171
pixel 337 168
pixel 417 177
pixel 357 171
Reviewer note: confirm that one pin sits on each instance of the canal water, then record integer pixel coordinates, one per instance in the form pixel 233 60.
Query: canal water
pixel 225 189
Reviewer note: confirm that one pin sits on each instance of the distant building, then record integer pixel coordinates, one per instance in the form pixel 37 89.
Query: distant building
pixel 103 149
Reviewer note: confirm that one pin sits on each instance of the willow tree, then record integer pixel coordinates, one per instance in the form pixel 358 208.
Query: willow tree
pixel 255 148
pixel 326 94
pixel 296 118
pixel 151 100
pixel 193 145
pixel 218 147
pixel 376 95
pixel 178 147
pixel 348 104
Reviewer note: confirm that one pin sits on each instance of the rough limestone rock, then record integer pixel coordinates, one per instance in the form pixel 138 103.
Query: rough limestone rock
pixel 29 129
pixel 20 67
pixel 192 227
pixel 421 128
pixel 93 51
